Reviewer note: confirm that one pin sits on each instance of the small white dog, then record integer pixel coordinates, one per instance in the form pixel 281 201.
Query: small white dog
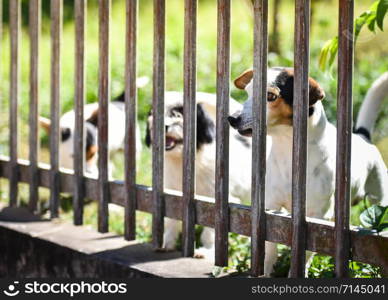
pixel 240 170
pixel 369 172
pixel 116 134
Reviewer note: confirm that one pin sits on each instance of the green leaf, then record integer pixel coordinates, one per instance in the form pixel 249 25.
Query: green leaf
pixel 328 53
pixel 381 11
pixel 375 217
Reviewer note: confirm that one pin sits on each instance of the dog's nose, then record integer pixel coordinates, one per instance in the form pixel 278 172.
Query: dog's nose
pixel 234 120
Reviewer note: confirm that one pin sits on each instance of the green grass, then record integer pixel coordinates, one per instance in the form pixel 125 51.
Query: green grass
pixel 371 60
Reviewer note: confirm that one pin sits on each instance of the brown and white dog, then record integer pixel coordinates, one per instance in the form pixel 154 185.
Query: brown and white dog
pixel 116 134
pixel 369 172
pixel 240 170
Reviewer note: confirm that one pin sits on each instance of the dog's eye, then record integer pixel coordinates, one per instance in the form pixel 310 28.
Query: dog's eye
pixel 176 114
pixel 271 97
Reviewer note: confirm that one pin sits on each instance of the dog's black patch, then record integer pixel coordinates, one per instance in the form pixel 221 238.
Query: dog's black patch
pixel 205 127
pixel 65 134
pixel 363 131
pixel 311 110
pixel 206 130
pixel 147 139
pixel 285 82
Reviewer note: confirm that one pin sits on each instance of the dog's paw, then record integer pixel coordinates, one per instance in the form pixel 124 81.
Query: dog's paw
pixel 198 255
pixel 204 253
pixel 164 250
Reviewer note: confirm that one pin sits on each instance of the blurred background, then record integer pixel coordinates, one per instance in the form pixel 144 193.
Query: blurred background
pixel 371 60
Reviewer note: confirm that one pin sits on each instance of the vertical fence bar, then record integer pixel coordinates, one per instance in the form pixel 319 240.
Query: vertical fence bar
pixel 259 136
pixel 1 28
pixel 299 151
pixel 1 49
pixel 34 16
pixel 344 132
pixel 158 123
pixel 79 130
pixel 189 126
pixel 130 121
pixel 56 36
pixel 14 31
pixel 103 104
pixel 222 133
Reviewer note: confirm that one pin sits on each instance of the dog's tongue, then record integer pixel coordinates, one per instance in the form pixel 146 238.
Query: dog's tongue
pixel 169 142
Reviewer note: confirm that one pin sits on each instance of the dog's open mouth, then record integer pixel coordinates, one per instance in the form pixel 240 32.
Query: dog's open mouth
pixel 245 132
pixel 171 143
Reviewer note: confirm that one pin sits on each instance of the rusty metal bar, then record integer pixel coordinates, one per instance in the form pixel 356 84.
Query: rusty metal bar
pixel 130 121
pixel 344 140
pixel 79 129
pixel 158 133
pixel 103 104
pixel 320 233
pixel 35 19
pixel 189 126
pixel 259 135
pixel 299 151
pixel 222 134
pixel 14 31
pixel 56 36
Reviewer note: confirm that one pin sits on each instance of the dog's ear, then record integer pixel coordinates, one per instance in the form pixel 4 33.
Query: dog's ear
pixel 205 127
pixel 45 123
pixel 93 118
pixel 147 139
pixel 316 92
pixel 243 80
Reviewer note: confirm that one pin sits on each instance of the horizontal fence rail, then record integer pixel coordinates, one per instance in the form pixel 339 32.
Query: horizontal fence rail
pixel 370 249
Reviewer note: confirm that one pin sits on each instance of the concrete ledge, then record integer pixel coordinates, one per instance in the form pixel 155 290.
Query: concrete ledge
pixel 30 247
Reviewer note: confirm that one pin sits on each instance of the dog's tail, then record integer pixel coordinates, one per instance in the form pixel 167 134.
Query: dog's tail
pixel 371 106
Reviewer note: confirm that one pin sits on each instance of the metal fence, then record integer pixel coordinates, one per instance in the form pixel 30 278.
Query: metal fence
pixel 337 239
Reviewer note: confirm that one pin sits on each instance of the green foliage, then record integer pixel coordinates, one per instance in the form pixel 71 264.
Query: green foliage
pixel 375 15
pixel 321 267
pixel 324 267
pixel 375 218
